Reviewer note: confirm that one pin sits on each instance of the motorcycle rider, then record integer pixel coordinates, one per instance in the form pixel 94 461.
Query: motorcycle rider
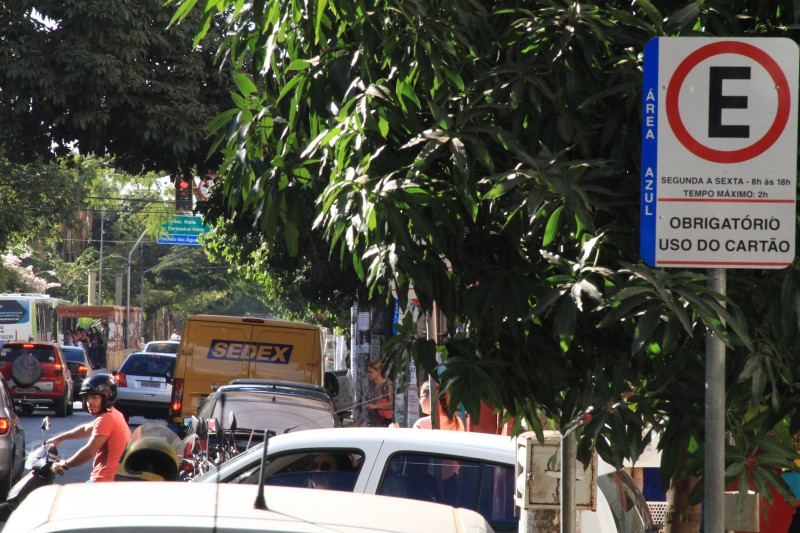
pixel 108 433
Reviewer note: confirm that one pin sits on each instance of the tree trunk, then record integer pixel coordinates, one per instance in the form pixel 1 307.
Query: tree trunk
pixel 540 521
pixel 680 517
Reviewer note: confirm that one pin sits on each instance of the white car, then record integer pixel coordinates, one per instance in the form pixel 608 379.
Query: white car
pixel 144 384
pixel 469 470
pixel 152 506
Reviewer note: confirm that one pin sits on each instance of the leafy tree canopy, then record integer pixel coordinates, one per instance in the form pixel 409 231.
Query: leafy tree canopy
pixel 105 78
pixel 488 153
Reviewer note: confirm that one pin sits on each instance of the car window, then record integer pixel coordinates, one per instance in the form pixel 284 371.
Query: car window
pixel 321 469
pixel 43 354
pixel 162 347
pixel 259 411
pixel 6 394
pixel 627 505
pixel 148 365
pixel 75 356
pixel 482 487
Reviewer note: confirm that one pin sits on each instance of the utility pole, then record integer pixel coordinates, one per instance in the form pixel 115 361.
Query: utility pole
pixel 128 293
pixel 100 288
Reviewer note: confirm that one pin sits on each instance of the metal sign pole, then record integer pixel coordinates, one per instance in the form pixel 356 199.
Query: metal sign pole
pixel 569 475
pixel 714 487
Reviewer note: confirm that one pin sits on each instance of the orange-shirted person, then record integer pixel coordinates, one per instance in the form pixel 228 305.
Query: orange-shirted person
pixel 108 433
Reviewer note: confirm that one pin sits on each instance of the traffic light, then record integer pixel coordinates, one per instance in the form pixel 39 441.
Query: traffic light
pixel 183 194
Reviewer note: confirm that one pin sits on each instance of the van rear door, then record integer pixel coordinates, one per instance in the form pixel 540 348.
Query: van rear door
pixel 216 352
pixel 286 351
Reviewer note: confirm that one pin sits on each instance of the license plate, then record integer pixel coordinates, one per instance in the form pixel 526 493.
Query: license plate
pixel 26 390
pixel 150 384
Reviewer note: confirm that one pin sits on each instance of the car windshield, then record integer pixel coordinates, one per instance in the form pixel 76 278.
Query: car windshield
pixel 148 365
pixel 74 355
pixel 275 412
pixel 162 347
pixel 43 354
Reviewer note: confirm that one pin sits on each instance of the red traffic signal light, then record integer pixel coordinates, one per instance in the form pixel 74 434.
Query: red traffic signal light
pixel 183 194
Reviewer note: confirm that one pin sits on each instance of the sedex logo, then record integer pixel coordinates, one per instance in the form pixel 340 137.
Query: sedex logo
pixel 250 351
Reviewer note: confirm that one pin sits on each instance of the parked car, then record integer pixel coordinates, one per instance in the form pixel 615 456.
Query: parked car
pixel 79 367
pixel 162 347
pixel 258 405
pixel 38 374
pixel 12 442
pixel 144 384
pixel 201 508
pixel 470 470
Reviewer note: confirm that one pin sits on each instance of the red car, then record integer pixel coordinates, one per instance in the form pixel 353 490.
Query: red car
pixel 38 374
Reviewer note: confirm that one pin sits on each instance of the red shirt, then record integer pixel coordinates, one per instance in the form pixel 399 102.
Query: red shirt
pixel 113 426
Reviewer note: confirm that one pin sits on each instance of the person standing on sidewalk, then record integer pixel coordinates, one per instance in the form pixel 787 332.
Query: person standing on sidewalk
pixel 380 400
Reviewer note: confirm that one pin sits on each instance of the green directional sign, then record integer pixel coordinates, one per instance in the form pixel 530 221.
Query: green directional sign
pixel 183 230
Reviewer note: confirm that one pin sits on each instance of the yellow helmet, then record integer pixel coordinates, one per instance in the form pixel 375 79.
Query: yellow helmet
pixel 150 455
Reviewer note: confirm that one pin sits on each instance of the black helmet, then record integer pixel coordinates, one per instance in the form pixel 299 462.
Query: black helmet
pixel 102 384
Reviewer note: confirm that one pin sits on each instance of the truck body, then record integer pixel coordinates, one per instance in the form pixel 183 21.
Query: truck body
pixel 217 349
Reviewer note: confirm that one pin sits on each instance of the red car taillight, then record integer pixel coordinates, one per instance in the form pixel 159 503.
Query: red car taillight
pixel 82 370
pixel 122 379
pixel 177 397
pixel 58 370
pixel 5 425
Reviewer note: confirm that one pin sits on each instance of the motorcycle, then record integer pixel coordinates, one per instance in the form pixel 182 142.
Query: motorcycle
pixel 38 463
pixel 210 446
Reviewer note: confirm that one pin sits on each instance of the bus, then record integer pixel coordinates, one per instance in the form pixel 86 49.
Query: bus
pixel 29 317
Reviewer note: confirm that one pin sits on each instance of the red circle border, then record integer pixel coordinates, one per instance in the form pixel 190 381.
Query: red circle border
pixel 748 152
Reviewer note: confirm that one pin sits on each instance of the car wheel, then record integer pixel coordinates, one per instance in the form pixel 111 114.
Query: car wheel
pixel 26 370
pixel 61 406
pixel 5 486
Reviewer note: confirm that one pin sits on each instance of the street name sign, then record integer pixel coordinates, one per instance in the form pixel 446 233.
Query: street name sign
pixel 719 152
pixel 182 230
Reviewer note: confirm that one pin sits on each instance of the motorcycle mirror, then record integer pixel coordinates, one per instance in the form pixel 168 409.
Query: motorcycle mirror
pixel 196 447
pixel 46 423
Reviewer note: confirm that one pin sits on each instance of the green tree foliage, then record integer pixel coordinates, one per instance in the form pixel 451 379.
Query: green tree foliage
pixel 106 78
pixel 488 153
pixel 36 201
pixel 309 286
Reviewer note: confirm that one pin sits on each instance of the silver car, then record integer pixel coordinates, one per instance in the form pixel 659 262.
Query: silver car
pixel 12 442
pixel 144 384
